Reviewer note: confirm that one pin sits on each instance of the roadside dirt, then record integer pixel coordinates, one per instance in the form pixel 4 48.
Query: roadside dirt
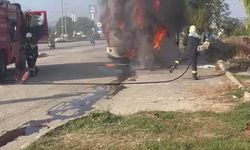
pixel 206 94
pixel 216 98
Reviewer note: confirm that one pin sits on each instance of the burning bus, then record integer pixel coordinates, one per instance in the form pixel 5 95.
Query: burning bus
pixel 142 29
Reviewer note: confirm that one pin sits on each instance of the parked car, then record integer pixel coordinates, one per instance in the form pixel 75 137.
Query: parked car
pixel 60 39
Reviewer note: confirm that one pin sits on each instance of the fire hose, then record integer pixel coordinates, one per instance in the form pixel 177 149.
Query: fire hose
pixel 122 83
pixel 128 83
pixel 146 82
pixel 166 81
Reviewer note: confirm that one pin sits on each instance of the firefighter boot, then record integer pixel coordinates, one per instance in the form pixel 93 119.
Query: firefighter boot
pixel 36 70
pixel 176 63
pixel 195 76
pixel 31 73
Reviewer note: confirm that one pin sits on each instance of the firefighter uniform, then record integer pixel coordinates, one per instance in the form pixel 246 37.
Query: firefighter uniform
pixel 191 52
pixel 31 51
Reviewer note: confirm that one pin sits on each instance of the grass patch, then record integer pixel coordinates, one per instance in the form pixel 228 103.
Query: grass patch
pixel 242 77
pixel 238 92
pixel 152 131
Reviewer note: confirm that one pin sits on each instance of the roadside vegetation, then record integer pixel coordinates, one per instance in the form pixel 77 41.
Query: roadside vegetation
pixel 242 77
pixel 153 131
pixel 238 92
pixel 245 79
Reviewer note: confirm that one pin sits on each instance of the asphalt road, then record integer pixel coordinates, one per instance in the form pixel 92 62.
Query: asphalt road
pixel 56 95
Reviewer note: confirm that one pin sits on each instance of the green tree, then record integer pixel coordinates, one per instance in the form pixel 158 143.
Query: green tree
pixel 52 30
pixel 70 26
pixel 247 6
pixel 204 13
pixel 85 25
pixel 233 27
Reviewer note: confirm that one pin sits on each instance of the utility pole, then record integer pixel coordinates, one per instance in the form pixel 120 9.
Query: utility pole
pixel 65 19
pixel 62 23
pixel 93 16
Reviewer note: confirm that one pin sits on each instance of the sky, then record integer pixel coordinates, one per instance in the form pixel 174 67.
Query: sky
pixel 80 7
pixel 53 7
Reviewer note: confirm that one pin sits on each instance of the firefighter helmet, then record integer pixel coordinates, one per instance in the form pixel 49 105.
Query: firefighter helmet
pixel 192 28
pixel 28 35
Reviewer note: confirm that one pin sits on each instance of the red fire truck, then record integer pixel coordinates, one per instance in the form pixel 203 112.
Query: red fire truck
pixel 14 24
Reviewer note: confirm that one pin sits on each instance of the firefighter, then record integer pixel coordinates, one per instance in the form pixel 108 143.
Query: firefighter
pixel 191 52
pixel 31 50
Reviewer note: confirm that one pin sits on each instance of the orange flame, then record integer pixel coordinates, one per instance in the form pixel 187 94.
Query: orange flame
pixel 156 4
pixel 159 36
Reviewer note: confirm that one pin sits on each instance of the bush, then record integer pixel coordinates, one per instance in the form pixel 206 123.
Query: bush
pixel 232 47
pixel 218 50
pixel 241 46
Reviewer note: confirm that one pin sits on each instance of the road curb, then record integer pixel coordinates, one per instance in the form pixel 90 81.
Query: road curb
pixel 246 97
pixel 223 67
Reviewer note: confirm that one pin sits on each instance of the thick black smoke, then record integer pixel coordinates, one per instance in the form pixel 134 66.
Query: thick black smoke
pixel 131 24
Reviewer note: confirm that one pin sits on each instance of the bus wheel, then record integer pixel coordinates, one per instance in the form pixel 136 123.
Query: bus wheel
pixel 21 65
pixel 3 66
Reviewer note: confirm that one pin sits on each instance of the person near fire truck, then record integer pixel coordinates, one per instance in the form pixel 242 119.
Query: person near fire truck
pixel 52 41
pixel 191 52
pixel 31 51
pixel 92 39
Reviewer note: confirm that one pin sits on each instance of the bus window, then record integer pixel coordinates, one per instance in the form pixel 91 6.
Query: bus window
pixel 13 31
pixel 37 24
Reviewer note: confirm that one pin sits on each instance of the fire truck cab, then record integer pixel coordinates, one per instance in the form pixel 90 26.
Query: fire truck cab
pixel 14 24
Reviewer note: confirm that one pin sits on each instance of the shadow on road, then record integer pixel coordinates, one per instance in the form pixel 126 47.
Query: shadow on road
pixel 211 76
pixel 63 111
pixel 58 96
pixel 68 46
pixel 76 71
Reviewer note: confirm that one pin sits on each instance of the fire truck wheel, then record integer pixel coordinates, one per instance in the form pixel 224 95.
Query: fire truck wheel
pixel 21 65
pixel 3 67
